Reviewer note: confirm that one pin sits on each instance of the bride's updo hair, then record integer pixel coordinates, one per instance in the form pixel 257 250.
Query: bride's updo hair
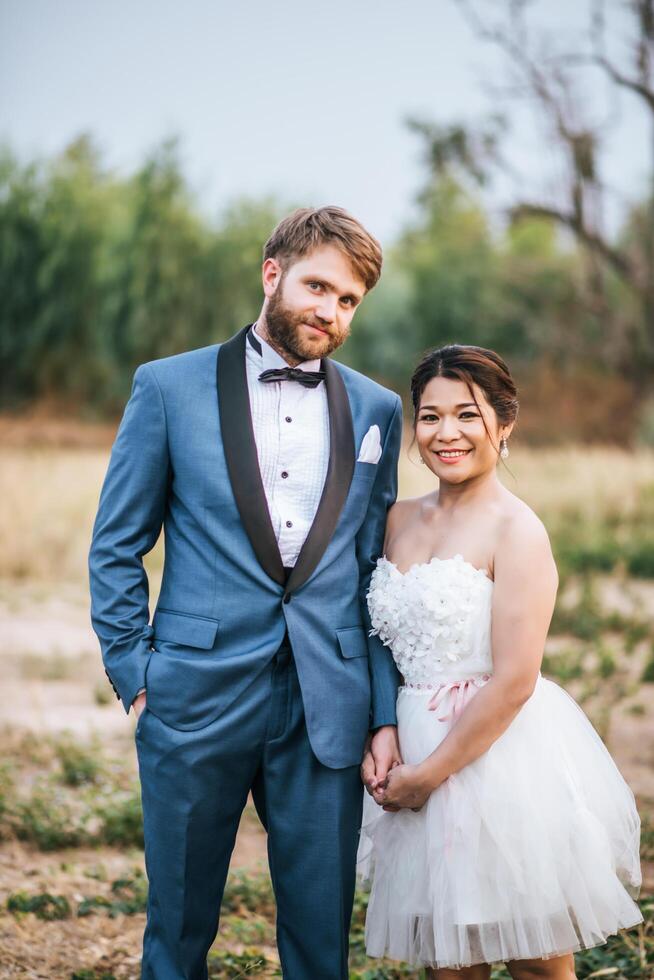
pixel 474 366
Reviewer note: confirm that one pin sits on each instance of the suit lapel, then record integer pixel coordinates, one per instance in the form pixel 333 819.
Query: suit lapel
pixel 241 455
pixel 337 481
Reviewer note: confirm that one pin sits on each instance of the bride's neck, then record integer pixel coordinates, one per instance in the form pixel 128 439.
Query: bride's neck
pixel 476 490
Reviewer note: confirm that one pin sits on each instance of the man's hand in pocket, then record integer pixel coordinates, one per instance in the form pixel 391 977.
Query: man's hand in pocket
pixel 139 703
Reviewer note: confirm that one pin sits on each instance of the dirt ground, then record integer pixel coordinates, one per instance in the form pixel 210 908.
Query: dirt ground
pixel 53 681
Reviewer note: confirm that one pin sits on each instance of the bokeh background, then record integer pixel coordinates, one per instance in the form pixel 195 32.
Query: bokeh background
pixel 503 153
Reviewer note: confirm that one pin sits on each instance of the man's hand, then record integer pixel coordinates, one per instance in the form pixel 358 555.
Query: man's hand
pixel 139 704
pixel 382 753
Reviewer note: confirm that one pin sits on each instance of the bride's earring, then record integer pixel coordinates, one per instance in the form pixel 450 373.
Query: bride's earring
pixel 422 460
pixel 504 449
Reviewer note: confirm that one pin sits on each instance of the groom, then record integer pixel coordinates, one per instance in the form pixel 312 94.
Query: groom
pixel 271 468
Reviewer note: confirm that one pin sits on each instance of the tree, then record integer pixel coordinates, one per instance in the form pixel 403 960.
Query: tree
pixel 554 79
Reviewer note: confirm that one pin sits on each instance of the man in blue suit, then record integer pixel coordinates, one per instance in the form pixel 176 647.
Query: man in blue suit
pixel 271 469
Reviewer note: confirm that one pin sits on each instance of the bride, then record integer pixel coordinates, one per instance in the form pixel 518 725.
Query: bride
pixel 508 833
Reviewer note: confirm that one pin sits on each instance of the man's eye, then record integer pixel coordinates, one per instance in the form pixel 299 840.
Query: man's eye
pixel 315 285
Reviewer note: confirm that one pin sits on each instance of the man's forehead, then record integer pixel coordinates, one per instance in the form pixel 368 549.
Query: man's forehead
pixel 329 262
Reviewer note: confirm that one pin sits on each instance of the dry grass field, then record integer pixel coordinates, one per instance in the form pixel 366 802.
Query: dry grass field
pixel 71 865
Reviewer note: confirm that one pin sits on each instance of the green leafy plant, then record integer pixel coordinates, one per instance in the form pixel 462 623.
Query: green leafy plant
pixel 43 906
pixel 79 764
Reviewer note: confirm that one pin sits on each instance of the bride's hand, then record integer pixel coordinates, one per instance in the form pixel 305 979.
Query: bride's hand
pixel 405 786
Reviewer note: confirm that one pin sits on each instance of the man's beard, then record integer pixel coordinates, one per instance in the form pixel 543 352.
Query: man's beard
pixel 284 328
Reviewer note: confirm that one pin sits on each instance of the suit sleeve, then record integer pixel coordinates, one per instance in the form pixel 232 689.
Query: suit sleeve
pixel 384 675
pixel 128 523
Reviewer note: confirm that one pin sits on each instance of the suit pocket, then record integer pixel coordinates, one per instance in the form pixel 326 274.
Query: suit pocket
pixel 352 642
pixel 140 720
pixel 184 629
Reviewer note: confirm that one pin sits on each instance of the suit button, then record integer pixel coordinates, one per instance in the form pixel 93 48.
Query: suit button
pixel 287 597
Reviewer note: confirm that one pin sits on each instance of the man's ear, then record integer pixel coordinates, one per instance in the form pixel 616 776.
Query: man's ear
pixel 271 274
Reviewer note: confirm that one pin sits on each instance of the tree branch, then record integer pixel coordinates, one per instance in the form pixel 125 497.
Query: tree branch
pixel 612 256
pixel 638 86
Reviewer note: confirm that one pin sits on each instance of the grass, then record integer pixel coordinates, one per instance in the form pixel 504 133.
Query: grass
pixel 79 764
pixel 60 793
pixel 627 956
pixel 44 905
pixel 596 522
pixel 59 812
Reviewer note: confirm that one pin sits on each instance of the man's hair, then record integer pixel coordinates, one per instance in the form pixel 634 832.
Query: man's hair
pixel 306 229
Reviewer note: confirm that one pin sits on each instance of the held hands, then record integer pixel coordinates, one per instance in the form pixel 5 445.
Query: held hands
pixel 381 754
pixel 139 704
pixel 405 786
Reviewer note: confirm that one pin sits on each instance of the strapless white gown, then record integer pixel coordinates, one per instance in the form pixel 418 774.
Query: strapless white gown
pixel 530 851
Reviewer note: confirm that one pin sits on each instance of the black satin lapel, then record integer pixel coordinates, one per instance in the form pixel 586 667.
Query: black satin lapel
pixel 241 455
pixel 337 481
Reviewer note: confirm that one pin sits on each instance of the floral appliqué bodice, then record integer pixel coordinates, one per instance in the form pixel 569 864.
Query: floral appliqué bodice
pixel 435 617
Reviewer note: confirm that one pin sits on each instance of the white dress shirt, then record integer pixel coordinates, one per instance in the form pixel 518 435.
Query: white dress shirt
pixel 291 432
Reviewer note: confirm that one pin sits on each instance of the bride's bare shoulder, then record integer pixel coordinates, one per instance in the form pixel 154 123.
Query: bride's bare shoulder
pixel 522 532
pixel 405 511
pixel 516 515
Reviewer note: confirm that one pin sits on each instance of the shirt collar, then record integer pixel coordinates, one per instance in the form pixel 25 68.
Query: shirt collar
pixel 270 359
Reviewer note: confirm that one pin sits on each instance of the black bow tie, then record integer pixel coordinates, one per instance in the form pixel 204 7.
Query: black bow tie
pixel 309 379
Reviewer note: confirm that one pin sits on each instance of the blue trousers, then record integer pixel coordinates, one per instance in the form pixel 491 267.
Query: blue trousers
pixel 194 787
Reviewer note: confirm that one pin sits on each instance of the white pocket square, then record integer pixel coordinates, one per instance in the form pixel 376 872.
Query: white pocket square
pixel 371 449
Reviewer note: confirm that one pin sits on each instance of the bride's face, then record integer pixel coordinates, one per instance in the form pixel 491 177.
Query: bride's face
pixel 450 431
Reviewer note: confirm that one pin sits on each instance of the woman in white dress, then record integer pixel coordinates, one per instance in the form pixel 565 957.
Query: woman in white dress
pixel 508 833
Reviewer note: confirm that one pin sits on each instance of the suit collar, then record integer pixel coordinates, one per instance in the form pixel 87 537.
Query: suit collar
pixel 337 481
pixel 245 476
pixel 241 455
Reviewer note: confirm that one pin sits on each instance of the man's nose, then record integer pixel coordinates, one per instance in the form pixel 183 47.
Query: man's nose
pixel 326 309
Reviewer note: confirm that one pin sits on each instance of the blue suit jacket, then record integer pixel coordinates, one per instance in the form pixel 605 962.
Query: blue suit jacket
pixel 185 458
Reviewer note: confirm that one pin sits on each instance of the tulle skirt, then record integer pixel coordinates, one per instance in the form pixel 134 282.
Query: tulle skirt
pixel 531 851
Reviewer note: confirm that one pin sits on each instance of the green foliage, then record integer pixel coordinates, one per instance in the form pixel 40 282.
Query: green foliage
pixel 623 956
pixel 49 820
pixel 78 799
pixel 584 620
pixel 228 965
pixel 91 975
pixel 122 820
pixel 7 791
pixel 129 896
pixel 565 666
pixel 100 272
pixel 44 905
pixel 247 892
pixel 648 672
pixel 606 664
pixel 101 695
pixel 640 558
pixel 581 546
pixel 79 765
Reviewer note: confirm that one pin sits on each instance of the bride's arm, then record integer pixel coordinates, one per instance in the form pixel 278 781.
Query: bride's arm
pixel 523 601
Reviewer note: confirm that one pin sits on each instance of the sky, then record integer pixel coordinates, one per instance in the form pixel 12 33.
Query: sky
pixel 305 102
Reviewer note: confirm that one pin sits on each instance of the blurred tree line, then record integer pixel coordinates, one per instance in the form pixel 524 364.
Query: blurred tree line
pixel 99 273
